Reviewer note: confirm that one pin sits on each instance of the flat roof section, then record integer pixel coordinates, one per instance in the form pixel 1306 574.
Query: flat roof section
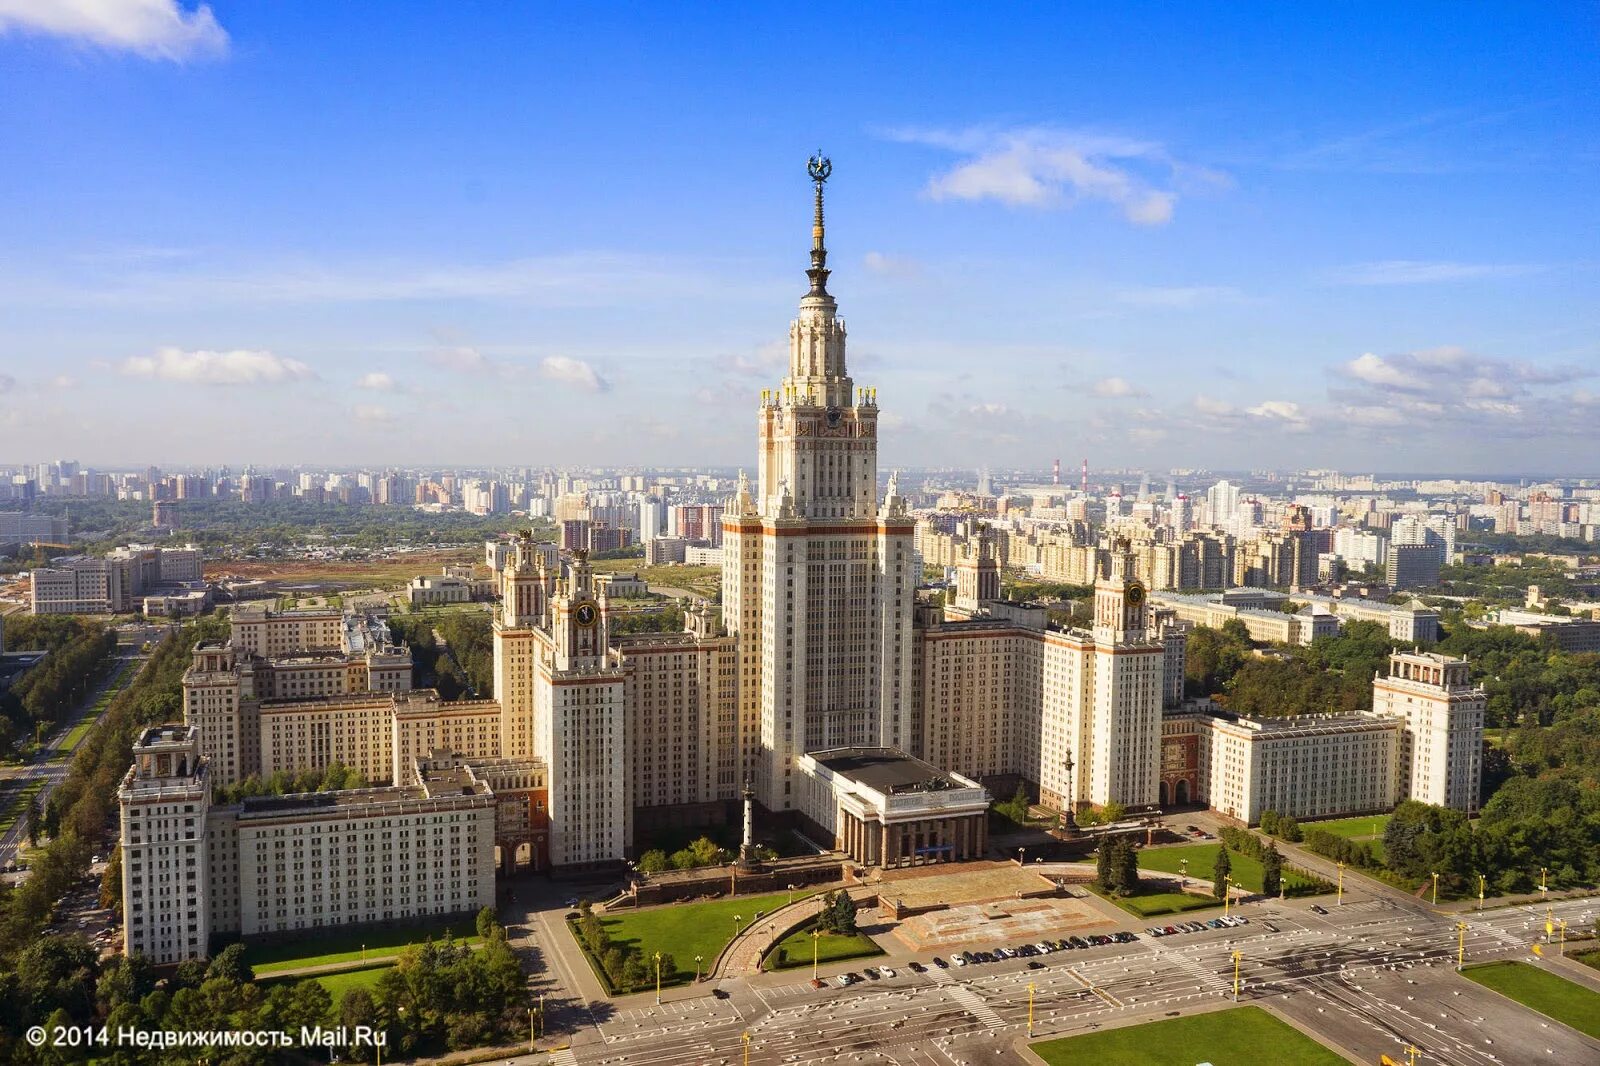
pixel 886 770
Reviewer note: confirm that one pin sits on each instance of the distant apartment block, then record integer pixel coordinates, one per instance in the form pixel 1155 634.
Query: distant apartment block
pixel 114 583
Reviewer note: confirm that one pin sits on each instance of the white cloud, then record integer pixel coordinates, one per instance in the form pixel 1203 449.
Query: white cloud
pixel 238 367
pixel 573 372
pixel 156 29
pixel 892 266
pixel 7 383
pixel 1375 370
pixel 1284 411
pixel 1425 272
pixel 64 381
pixel 377 381
pixel 466 360
pixel 1206 405
pixel 372 414
pixel 1114 387
pixel 1181 296
pixel 1048 168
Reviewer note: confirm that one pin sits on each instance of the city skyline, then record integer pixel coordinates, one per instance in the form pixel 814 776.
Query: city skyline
pixel 275 283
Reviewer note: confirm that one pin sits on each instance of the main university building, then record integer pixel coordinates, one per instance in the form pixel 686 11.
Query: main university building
pixel 871 722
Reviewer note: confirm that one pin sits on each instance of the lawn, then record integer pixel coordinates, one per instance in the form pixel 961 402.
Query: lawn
pixel 15 802
pixel 1233 1037
pixel 685 930
pixel 1543 991
pixel 1364 828
pixel 1246 871
pixel 322 948
pixel 1151 904
pixel 830 948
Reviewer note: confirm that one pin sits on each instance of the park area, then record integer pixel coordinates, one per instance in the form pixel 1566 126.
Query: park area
pixel 682 930
pixel 329 948
pixel 1555 997
pixel 1246 871
pixel 796 949
pixel 1367 830
pixel 1148 903
pixel 1232 1037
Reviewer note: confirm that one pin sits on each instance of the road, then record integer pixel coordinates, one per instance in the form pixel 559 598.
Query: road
pixel 51 764
pixel 1369 978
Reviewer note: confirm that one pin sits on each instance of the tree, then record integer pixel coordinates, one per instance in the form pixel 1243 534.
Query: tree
pixel 33 817
pixel 1127 867
pixel 111 882
pixel 1272 871
pixel 1269 822
pixel 1104 867
pixel 487 927
pixel 844 914
pixel 230 965
pixel 1220 871
pixel 1289 829
pixel 653 861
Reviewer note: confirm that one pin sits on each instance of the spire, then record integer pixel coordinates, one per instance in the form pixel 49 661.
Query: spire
pixel 819 167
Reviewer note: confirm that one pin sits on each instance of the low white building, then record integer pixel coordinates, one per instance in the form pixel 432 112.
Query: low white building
pixel 428 589
pixel 883 807
pixel 1307 766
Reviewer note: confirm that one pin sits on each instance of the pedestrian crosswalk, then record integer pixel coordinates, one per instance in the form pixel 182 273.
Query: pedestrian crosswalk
pixel 974 1003
pixel 563 1057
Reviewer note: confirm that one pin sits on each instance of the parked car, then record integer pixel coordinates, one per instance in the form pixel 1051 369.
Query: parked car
pixel 872 974
pixel 1035 964
pixel 1269 927
pixel 1318 909
pixel 1170 930
pixel 817 982
pixel 916 967
pixel 886 971
pixel 1077 942
pixel 937 961
pixel 960 958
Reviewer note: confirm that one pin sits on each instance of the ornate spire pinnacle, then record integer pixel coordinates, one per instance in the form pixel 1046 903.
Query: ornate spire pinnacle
pixel 819 167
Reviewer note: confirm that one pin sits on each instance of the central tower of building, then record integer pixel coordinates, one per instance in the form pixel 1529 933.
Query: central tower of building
pixel 818 578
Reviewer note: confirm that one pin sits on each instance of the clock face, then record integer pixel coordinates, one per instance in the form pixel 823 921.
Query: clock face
pixel 1135 594
pixel 585 615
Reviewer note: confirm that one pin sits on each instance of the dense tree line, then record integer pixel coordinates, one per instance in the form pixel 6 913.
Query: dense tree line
pixel 1527 682
pixel 216 524
pixel 440 996
pixel 1331 675
pixel 80 653
pixel 336 777
pixel 82 813
pixel 669 619
pixel 452 651
pixel 628 967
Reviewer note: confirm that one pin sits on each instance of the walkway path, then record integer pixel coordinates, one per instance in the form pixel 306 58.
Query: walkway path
pixel 745 952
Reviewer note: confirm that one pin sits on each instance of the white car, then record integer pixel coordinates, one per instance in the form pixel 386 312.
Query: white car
pixel 884 971
pixel 959 959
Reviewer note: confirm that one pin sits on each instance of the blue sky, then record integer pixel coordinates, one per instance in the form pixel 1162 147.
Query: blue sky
pixel 1361 236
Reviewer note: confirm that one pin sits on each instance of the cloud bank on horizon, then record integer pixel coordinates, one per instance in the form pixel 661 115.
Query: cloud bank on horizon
pixel 1120 253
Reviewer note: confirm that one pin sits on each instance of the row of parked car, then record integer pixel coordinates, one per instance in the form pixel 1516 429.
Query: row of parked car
pixel 1043 947
pixel 1197 927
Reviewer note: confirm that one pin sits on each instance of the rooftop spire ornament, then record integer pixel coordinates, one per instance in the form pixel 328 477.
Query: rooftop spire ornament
pixel 819 167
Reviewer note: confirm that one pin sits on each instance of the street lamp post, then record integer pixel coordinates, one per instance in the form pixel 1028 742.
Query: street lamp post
pixel 697 960
pixel 737 918
pixel 1340 897
pixel 1022 855
pixel 1435 889
pixel 1412 1051
pixel 791 893
pixel 1237 955
pixel 816 941
pixel 746 1038
pixel 1461 946
pixel 1030 1008
pixel 1481 881
pixel 1068 824
pixel 1183 872
pixel 658 978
